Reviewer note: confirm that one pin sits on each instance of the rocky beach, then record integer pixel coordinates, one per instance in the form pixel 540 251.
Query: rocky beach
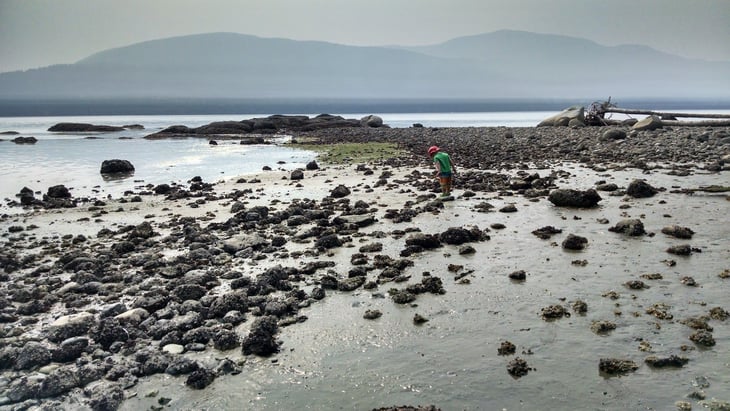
pixel 576 267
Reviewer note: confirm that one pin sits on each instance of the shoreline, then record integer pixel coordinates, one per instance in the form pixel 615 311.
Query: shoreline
pixel 158 256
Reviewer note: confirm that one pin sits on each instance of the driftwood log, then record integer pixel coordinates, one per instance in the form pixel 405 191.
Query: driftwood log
pixel 668 118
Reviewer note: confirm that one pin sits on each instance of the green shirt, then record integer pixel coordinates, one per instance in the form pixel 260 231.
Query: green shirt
pixel 444 162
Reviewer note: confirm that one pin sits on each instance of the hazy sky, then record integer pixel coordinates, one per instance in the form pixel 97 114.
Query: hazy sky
pixel 36 33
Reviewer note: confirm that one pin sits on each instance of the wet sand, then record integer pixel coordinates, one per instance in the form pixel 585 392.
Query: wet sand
pixel 336 359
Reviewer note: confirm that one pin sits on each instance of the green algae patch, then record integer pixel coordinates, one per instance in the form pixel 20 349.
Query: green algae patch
pixel 342 153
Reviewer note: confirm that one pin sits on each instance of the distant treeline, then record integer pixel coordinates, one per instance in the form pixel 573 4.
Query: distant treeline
pixel 84 107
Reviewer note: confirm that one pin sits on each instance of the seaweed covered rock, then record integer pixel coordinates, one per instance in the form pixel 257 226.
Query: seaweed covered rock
pixel 616 366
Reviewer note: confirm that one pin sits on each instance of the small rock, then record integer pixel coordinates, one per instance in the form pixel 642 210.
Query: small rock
pixel 554 312
pixel 419 319
pixel 518 275
pixel 678 232
pixel 630 227
pixel 671 361
pixel 340 191
pixel 615 366
pixel 372 314
pixel 603 327
pixel 518 367
pixel 506 348
pixel 636 285
pixel 580 307
pixel 683 249
pixel 297 175
pixel 702 337
pixel 574 242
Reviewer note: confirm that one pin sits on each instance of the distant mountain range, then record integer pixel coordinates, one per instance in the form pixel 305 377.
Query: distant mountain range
pixel 502 64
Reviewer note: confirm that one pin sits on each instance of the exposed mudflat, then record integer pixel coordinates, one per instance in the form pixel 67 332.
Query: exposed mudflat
pixel 273 293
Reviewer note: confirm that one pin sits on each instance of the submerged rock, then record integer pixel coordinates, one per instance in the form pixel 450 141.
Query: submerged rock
pixel 663 362
pixel 616 366
pixel 116 166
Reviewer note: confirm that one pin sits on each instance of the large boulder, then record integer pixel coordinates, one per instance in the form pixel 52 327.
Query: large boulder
pixel 574 198
pixel 649 123
pixel 372 121
pixel 565 117
pixel 116 166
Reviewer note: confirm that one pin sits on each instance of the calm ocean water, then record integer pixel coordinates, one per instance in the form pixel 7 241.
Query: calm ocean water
pixel 74 159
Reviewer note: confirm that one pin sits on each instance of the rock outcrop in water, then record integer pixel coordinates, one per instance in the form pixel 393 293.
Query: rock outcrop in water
pixel 83 128
pixel 116 166
pixel 267 125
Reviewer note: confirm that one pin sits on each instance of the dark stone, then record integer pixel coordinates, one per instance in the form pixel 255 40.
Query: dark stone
pixel 260 340
pixel 678 232
pixel 574 198
pixel 105 397
pixel 297 175
pixel 25 140
pixel 70 349
pixel 506 348
pixel 640 189
pixel 162 189
pixel 351 284
pixel 630 227
pixel 372 314
pixel 32 355
pixel 232 301
pixel 518 367
pixel 518 275
pixel 116 166
pixel 615 366
pixel 200 378
pixel 312 165
pixel 574 242
pixel 459 235
pixel 546 232
pixel 189 292
pixel 425 241
pixel 702 337
pixel 60 381
pixel 683 249
pixel 107 331
pixel 226 340
pixel 59 191
pixel 329 241
pixel 83 128
pixel 340 191
pixel 671 361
